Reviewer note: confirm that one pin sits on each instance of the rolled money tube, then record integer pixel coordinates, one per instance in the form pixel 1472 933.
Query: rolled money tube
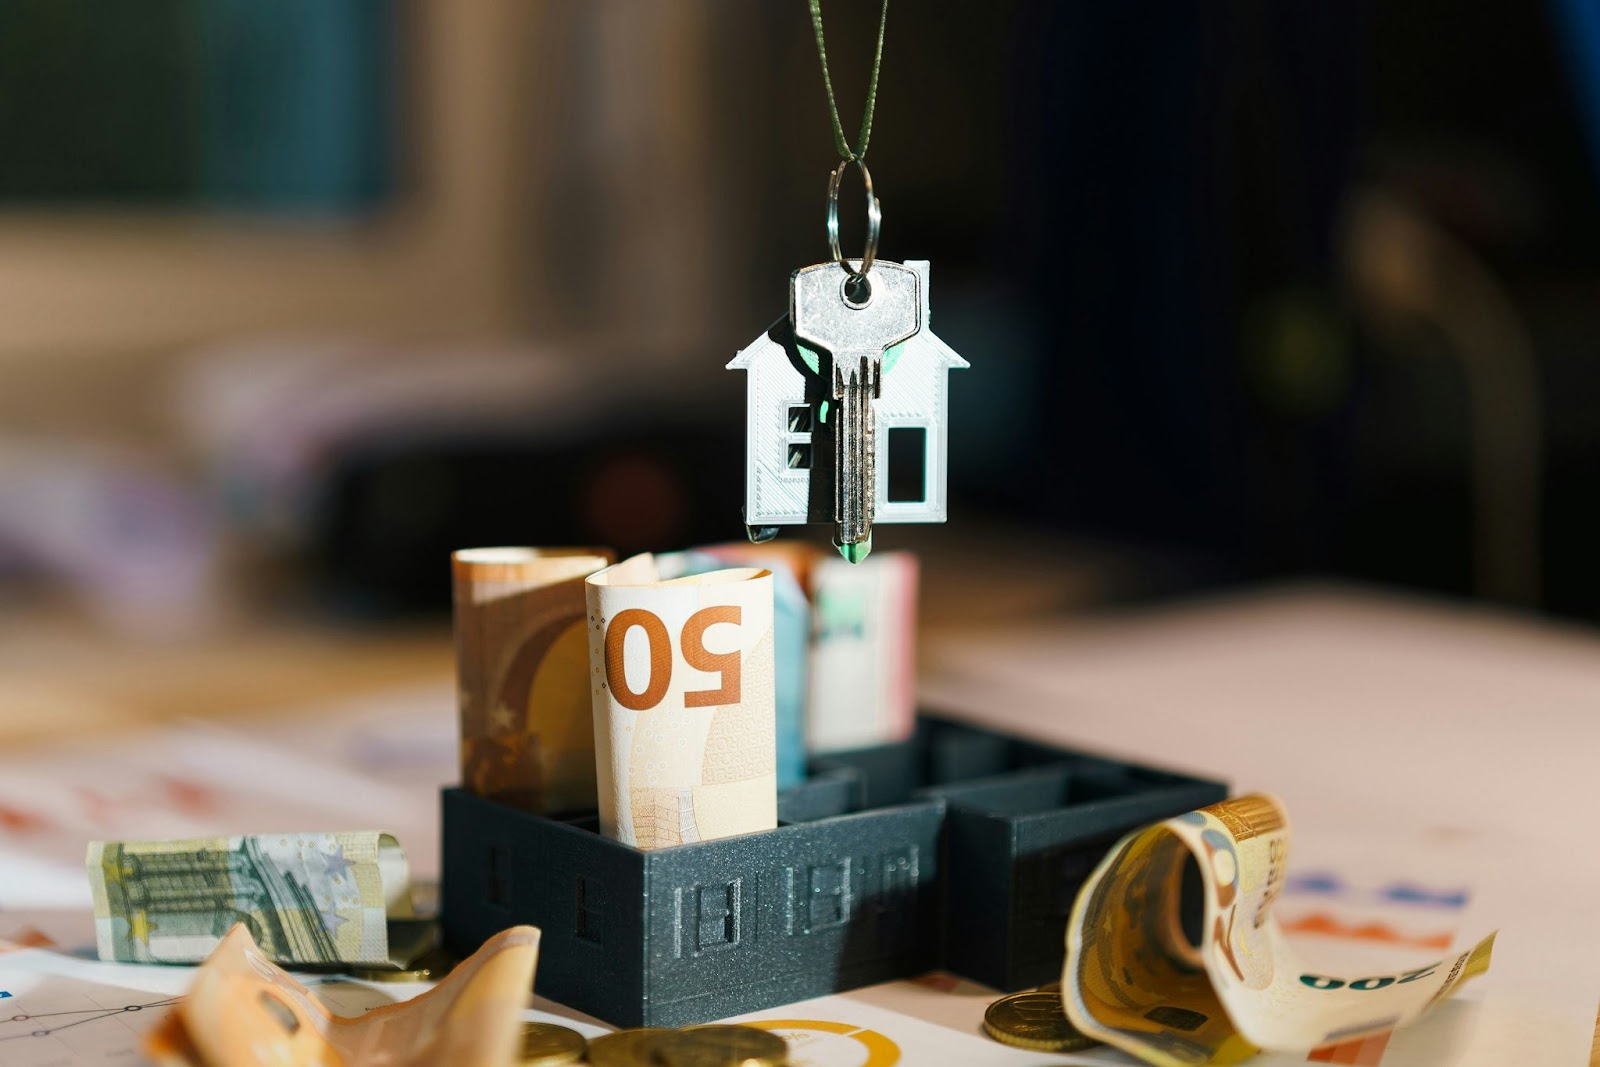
pixel 682 681
pixel 522 675
pixel 863 686
pixel 791 632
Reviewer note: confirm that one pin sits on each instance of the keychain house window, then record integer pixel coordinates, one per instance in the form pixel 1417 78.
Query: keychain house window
pixel 906 464
pixel 799 453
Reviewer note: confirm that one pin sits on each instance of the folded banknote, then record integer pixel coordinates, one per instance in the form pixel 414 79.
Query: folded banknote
pixel 1134 980
pixel 306 898
pixel 242 1010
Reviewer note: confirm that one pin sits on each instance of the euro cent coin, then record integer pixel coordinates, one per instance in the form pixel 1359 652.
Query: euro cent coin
pixel 1033 1020
pixel 722 1046
pixel 549 1045
pixel 626 1048
pixel 384 974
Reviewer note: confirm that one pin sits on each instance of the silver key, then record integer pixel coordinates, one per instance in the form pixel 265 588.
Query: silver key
pixel 856 324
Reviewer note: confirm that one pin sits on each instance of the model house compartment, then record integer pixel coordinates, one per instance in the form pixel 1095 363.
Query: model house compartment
pixel 961 848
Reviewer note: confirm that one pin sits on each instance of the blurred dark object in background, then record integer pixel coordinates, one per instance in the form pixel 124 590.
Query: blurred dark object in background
pixel 1301 287
pixel 287 107
pixel 361 466
pixel 389 514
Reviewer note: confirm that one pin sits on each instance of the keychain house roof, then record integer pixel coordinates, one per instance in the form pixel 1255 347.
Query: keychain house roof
pixel 790 439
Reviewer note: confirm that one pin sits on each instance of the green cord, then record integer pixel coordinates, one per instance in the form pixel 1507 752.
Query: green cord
pixel 872 87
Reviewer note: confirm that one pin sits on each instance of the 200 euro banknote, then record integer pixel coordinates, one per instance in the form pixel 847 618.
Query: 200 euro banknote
pixel 1134 980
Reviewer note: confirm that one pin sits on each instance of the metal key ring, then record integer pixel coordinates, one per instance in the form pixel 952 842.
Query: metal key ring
pixel 874 218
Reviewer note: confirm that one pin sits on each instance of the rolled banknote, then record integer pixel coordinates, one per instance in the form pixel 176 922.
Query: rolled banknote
pixel 863 651
pixel 791 632
pixel 1133 980
pixel 522 668
pixel 242 1010
pixel 684 703
pixel 307 898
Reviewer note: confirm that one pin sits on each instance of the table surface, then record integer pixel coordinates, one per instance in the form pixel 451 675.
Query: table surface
pixel 1398 732
pixel 1411 741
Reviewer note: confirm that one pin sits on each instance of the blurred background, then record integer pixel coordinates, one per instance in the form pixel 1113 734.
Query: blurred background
pixel 295 297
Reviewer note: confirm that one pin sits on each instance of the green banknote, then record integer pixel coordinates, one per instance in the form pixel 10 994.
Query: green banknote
pixel 1134 981
pixel 306 898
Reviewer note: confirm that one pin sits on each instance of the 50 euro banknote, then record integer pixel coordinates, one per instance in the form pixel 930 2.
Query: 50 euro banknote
pixel 522 669
pixel 684 703
pixel 306 898
pixel 1133 979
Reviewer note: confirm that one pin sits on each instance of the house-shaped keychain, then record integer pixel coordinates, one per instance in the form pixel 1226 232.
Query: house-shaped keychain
pixel 791 438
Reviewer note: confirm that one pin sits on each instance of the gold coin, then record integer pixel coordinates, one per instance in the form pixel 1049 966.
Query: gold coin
pixel 1049 987
pixel 383 974
pixel 434 965
pixel 626 1048
pixel 1033 1020
pixel 722 1046
pixel 547 1045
